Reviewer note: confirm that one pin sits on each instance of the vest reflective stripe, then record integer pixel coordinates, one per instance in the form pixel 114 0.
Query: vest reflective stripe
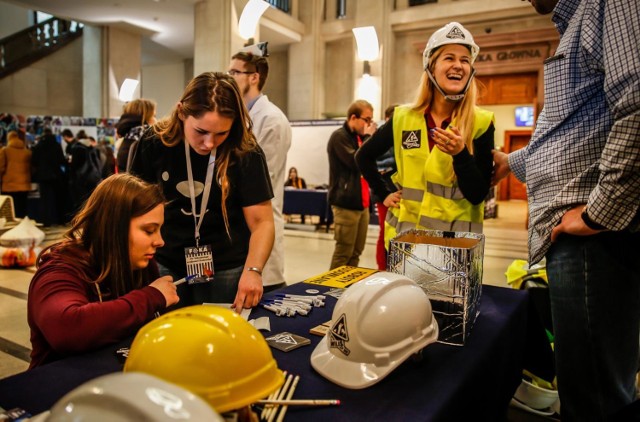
pixel 430 195
pixel 391 219
pixel 452 226
pixel 444 191
pixel 410 194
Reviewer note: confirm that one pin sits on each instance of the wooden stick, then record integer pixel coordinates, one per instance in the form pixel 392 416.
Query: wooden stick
pixel 271 413
pixel 289 396
pixel 272 396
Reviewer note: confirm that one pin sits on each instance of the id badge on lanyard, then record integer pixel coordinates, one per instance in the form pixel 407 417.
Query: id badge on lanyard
pixel 199 258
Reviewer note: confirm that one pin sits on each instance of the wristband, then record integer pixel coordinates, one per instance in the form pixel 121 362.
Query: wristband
pixel 254 269
pixel 589 222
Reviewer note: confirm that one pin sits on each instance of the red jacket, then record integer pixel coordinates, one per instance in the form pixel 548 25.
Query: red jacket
pixel 66 317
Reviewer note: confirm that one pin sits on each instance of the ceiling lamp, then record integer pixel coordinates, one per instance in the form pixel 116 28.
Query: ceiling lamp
pixel 250 16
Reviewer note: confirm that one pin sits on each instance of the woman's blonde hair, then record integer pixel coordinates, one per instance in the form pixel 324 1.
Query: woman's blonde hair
pixel 208 92
pixel 99 233
pixel 464 110
pixel 141 107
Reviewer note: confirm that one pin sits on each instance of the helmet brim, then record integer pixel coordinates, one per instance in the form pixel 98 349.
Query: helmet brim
pixel 354 375
pixel 358 375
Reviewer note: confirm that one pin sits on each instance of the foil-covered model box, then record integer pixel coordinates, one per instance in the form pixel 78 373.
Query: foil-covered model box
pixel 448 267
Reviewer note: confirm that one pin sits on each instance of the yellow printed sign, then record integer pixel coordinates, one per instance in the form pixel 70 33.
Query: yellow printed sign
pixel 341 277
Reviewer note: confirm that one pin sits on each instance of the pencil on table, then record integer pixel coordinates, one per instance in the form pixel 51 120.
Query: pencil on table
pixel 302 402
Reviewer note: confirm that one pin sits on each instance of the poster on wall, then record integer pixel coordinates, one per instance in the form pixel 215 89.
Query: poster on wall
pixel 308 152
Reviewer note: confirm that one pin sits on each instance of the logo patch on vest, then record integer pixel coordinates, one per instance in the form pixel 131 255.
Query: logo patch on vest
pixel 455 34
pixel 410 139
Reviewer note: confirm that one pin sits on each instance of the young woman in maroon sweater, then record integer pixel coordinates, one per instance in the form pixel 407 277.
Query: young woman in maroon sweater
pixel 100 284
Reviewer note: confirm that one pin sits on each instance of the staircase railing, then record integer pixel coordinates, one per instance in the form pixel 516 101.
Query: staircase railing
pixel 31 44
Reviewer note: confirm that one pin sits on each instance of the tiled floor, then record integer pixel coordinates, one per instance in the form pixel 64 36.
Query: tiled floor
pixel 307 253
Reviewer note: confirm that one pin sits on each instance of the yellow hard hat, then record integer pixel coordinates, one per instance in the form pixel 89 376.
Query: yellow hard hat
pixel 208 350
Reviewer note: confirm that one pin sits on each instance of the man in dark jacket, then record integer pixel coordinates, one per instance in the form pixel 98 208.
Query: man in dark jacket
pixel 348 191
pixel 47 163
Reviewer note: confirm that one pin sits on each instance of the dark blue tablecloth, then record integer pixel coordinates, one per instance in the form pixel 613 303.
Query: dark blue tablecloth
pixel 451 383
pixel 308 202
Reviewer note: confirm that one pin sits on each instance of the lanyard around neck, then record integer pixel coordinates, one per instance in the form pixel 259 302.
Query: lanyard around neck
pixel 197 221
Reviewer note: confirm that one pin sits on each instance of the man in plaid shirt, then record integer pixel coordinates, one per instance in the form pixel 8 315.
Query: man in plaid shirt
pixel 582 170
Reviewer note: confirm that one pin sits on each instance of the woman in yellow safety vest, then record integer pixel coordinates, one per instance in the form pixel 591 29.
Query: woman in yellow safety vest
pixel 442 144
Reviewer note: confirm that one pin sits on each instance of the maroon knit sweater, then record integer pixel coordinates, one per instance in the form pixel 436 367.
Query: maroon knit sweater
pixel 67 318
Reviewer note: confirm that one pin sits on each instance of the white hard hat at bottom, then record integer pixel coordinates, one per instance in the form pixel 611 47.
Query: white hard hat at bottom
pixel 123 397
pixel 377 324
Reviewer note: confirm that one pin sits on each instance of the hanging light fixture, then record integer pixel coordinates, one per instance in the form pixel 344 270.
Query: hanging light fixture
pixel 127 89
pixel 251 14
pixel 367 45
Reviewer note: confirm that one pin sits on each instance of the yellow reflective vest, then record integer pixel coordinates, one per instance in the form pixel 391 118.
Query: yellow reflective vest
pixel 431 198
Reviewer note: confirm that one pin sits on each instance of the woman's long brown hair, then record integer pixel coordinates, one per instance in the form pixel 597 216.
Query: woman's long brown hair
pixel 98 240
pixel 207 92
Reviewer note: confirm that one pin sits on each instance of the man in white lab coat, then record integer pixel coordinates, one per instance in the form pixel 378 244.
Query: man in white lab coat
pixel 250 69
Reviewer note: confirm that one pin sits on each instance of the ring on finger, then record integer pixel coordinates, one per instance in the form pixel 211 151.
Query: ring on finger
pixel 447 143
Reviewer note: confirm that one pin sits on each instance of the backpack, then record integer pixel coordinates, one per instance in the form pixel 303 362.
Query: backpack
pixel 90 172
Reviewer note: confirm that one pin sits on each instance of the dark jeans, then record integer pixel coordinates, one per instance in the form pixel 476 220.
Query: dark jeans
pixel 222 289
pixel 50 208
pixel 19 203
pixel 594 285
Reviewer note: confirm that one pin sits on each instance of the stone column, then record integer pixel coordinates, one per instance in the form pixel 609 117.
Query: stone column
pixel 306 64
pixel 370 87
pixel 92 69
pixel 215 26
pixel 110 55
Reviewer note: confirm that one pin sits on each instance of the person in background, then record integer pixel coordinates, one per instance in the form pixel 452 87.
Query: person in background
pixel 582 170
pixel 47 163
pixel 109 166
pixel 293 181
pixel 348 191
pixel 386 164
pixel 442 144
pixel 214 174
pixel 107 162
pixel 250 70
pixel 137 116
pixel 15 172
pixel 69 139
pixel 100 284
pixel 85 169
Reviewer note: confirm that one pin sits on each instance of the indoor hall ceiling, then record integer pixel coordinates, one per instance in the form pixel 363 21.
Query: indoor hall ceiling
pixel 166 25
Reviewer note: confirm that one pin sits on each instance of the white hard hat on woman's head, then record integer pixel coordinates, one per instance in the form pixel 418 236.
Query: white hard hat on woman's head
pixel 451 33
pixel 377 324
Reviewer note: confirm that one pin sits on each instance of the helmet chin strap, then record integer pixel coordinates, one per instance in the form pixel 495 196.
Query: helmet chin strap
pixel 453 98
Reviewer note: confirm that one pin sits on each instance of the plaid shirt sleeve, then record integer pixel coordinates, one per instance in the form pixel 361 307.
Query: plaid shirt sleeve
pixel 615 199
pixel 586 145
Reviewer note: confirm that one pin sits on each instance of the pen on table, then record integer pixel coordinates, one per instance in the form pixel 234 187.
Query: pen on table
pixel 184 279
pixel 301 402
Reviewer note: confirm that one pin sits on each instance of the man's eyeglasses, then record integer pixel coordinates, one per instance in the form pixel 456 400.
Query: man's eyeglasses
pixel 367 120
pixel 234 72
